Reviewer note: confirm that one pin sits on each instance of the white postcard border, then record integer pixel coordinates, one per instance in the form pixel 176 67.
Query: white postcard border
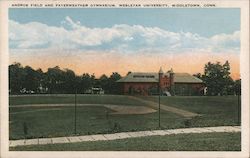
pixel 244 68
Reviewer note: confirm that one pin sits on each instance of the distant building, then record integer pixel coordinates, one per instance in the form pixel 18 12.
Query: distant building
pixel 145 83
pixel 94 90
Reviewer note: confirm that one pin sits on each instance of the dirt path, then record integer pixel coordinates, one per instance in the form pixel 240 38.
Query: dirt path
pixel 123 135
pixel 118 109
pixel 177 111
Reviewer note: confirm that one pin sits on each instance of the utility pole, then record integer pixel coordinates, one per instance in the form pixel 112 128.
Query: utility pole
pixel 75 111
pixel 239 105
pixel 159 90
pixel 159 119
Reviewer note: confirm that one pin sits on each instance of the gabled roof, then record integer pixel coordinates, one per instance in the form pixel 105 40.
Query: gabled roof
pixel 154 77
pixel 186 78
pixel 140 77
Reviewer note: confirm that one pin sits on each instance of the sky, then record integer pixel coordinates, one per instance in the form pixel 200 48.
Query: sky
pixel 102 41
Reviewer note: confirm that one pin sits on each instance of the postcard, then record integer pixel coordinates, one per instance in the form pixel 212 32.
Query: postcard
pixel 124 78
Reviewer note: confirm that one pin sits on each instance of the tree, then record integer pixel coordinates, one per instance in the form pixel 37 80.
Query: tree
pixel 198 75
pixel 42 81
pixel 229 83
pixel 16 78
pixel 104 83
pixel 56 80
pixel 86 82
pixel 113 87
pixel 217 78
pixel 32 80
pixel 69 84
pixel 78 84
pixel 54 77
pixel 129 73
pixel 237 87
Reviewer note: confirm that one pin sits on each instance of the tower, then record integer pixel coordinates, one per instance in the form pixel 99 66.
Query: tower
pixel 160 79
pixel 171 78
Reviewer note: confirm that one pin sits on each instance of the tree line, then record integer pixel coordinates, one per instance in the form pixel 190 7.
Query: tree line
pixel 218 80
pixel 57 80
pixel 216 77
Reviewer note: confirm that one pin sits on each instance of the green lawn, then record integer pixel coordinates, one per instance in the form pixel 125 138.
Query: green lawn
pixel 214 110
pixel 59 121
pixel 84 99
pixel 90 120
pixel 181 142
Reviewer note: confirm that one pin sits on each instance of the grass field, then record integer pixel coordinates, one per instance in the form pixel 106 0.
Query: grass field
pixel 215 110
pixel 59 121
pixel 64 99
pixel 181 142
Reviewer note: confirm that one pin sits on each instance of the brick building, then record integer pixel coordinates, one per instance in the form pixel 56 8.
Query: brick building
pixel 140 83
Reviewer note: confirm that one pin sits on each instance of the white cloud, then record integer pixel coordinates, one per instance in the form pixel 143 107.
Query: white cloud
pixel 226 41
pixel 122 37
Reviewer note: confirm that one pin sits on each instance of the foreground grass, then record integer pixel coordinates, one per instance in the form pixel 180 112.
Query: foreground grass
pixel 180 142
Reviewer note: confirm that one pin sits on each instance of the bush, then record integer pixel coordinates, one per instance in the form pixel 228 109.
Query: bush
pixel 187 123
pixel 116 127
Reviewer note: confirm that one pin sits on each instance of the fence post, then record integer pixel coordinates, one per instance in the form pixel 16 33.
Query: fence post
pixel 239 105
pixel 25 130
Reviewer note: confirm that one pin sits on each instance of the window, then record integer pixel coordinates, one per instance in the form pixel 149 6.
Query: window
pixel 143 76
pixel 138 76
